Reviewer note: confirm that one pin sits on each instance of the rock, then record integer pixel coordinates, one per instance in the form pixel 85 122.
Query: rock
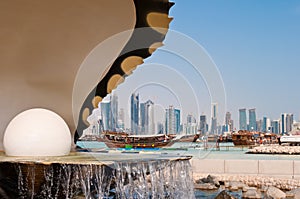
pixel 264 189
pixel 224 195
pixel 210 180
pixel 235 185
pixel 295 193
pixel 208 183
pixel 227 184
pixel 274 193
pixel 252 193
pixel 290 195
pixel 205 186
pixel 245 188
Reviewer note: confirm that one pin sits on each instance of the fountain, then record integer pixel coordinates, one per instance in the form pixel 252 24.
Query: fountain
pixel 96 175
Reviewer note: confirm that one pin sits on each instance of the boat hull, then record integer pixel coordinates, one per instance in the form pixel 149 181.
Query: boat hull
pixel 115 140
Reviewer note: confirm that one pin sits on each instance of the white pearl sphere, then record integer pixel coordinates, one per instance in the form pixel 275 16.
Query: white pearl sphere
pixel 37 132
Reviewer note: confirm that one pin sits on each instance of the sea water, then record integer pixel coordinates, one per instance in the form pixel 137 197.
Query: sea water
pixel 197 150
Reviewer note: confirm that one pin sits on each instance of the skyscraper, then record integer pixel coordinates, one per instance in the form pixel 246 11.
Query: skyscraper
pixel 160 128
pixel 106 115
pixel 275 126
pixel 227 118
pixel 114 111
pixel 134 113
pixel 177 120
pixel 243 119
pixel 143 118
pixel 203 124
pixel 259 124
pixel 147 117
pixel 264 125
pixel 191 125
pixel 172 120
pixel 214 111
pixel 228 122
pixel 121 119
pixel 190 119
pixel 214 122
pixel 252 120
pixel 214 126
pixel 283 128
pixel 289 122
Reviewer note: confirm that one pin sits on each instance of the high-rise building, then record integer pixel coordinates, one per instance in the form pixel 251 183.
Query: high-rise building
pixel 214 126
pixel 190 128
pixel 259 124
pixel 227 118
pixel 243 119
pixel 286 123
pixel 191 125
pixel 203 124
pixel 147 117
pixel 121 119
pixel 114 111
pixel 268 124
pixel 214 121
pixel 264 125
pixel 160 128
pixel 134 111
pixel 289 122
pixel 228 123
pixel 172 120
pixel 214 110
pixel 231 126
pixel 143 118
pixel 177 121
pixel 252 120
pixel 122 114
pixel 106 115
pixel 190 119
pixel 275 126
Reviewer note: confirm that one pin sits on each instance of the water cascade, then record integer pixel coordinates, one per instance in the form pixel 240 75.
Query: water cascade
pixel 97 176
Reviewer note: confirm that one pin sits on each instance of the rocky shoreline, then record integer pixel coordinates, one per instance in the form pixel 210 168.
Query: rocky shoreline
pixel 275 149
pixel 253 187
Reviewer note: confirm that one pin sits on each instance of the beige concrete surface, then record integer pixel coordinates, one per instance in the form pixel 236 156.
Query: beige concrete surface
pixel 244 166
pixel 288 169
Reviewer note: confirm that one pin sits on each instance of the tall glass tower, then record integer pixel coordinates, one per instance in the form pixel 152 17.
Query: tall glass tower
pixel 172 120
pixel 286 123
pixel 252 120
pixel 264 125
pixel 214 122
pixel 275 126
pixel 203 124
pixel 134 113
pixel 106 115
pixel 147 117
pixel 177 120
pixel 243 119
pixel 114 111
pixel 228 122
pixel 289 122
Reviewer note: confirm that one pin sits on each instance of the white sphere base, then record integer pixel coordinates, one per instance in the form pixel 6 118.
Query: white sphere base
pixel 37 132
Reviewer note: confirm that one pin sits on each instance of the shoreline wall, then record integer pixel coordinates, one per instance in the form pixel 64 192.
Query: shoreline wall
pixel 287 169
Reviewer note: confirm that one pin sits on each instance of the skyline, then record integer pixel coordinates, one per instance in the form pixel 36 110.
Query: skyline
pixel 250 122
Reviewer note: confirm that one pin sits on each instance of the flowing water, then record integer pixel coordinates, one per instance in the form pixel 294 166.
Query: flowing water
pixel 132 179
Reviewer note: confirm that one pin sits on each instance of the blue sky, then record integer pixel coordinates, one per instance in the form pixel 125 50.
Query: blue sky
pixel 254 44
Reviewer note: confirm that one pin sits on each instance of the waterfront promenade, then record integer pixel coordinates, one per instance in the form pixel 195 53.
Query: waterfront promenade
pixel 289 169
